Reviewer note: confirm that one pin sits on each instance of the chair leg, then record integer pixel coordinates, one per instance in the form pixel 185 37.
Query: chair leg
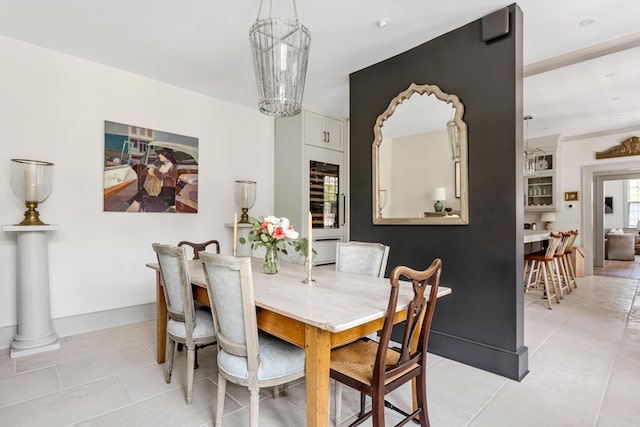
pixel 170 348
pixel 565 269
pixel 362 404
pixel 338 403
pixel 555 286
pixel 190 362
pixel 529 281
pixel 571 272
pixel 377 407
pixel 421 397
pixel 546 287
pixel 222 389
pixel 558 275
pixel 254 402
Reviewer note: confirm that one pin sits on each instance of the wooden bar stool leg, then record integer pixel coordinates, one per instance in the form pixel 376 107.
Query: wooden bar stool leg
pixel 558 275
pixel 546 287
pixel 556 291
pixel 565 269
pixel 572 274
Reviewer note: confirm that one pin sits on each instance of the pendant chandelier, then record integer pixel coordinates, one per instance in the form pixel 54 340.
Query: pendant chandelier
pixel 280 48
pixel 531 155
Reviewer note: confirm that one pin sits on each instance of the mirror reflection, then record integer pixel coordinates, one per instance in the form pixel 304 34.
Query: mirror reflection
pixel 420 159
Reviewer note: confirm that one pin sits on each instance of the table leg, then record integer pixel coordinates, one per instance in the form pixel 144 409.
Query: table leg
pixel 317 349
pixel 161 320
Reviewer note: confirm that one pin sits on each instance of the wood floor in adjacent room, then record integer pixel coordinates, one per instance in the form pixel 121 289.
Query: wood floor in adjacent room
pixel 627 269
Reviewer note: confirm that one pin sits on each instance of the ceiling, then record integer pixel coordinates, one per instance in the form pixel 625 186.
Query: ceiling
pixel 203 46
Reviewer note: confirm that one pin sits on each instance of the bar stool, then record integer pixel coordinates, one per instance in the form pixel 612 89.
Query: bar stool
pixel 560 265
pixel 568 251
pixel 541 264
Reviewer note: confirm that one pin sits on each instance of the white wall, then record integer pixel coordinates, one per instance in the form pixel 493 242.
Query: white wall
pixel 420 163
pixel 576 154
pixel 53 108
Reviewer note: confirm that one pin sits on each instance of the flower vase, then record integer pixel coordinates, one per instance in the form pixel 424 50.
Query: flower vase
pixel 271 261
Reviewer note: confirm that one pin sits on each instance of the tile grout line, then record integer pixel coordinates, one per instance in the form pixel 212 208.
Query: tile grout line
pixel 606 388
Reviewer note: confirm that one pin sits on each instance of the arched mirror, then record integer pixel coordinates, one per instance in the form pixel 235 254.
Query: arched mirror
pixel 420 160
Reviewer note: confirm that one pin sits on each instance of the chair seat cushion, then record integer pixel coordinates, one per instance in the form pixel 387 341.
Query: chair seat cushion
pixel 203 325
pixel 278 359
pixel 356 360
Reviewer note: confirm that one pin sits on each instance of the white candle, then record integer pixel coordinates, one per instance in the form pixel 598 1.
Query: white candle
pixel 235 232
pixel 30 187
pixel 309 245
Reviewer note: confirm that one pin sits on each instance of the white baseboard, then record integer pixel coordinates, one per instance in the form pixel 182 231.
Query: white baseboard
pixel 88 322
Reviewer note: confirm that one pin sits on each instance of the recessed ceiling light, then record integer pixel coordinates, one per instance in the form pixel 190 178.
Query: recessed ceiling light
pixel 615 98
pixel 382 22
pixel 587 22
pixel 609 75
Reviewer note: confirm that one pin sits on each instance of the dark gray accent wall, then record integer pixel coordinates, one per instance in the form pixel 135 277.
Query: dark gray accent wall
pixel 481 323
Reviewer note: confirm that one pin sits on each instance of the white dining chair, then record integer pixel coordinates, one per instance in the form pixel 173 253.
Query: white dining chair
pixel 246 356
pixel 362 258
pixel 188 324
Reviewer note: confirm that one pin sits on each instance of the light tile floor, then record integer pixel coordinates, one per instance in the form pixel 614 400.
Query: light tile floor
pixel 584 371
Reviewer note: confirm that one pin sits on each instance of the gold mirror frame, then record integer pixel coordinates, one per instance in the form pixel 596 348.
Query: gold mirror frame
pixel 463 217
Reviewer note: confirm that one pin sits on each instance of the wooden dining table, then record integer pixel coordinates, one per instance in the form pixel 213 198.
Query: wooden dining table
pixel 335 309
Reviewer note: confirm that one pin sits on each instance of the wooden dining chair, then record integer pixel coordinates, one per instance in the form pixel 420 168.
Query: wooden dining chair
pixel 362 258
pixel 188 324
pixel 198 247
pixel 374 369
pixel 246 356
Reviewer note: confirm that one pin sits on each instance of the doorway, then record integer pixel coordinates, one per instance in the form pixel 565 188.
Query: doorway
pixel 593 178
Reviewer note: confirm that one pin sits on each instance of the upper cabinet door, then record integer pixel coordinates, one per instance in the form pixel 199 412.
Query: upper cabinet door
pixel 323 131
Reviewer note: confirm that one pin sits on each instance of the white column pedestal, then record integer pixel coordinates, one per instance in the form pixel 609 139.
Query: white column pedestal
pixel 243 231
pixel 35 331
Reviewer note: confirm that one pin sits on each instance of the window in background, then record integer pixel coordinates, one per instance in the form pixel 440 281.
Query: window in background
pixel 632 194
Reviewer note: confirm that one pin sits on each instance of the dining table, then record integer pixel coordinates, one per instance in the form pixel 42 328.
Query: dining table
pixel 335 309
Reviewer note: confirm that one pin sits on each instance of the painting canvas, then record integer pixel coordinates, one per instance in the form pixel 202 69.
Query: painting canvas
pixel 147 170
pixel 608 205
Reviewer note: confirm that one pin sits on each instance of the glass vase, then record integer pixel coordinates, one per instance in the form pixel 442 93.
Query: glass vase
pixel 271 261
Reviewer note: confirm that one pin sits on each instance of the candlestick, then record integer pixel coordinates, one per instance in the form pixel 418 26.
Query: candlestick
pixel 309 279
pixel 235 232
pixel 309 244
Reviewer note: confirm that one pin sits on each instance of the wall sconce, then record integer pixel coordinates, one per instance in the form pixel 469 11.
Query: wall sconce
pixel 31 182
pixel 454 139
pixel 245 198
pixel 439 194
pixel 382 201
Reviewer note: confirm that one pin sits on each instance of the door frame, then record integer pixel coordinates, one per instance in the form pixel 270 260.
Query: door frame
pixel 593 178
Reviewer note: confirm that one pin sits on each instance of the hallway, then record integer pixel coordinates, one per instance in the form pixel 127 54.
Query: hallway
pixel 626 269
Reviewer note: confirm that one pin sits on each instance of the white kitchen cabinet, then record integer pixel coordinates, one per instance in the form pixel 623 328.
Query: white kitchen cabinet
pixel 311 176
pixel 323 131
pixel 541 187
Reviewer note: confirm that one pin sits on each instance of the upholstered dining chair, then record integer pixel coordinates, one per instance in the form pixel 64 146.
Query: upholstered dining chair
pixel 246 356
pixel 189 324
pixel 362 258
pixel 374 369
pixel 198 247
